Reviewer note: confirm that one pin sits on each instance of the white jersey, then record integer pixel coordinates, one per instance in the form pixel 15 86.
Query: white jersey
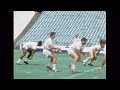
pixel 32 45
pixel 76 39
pixel 47 43
pixel 76 45
pixel 98 47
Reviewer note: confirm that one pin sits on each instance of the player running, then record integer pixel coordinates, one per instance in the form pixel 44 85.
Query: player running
pixel 75 52
pixel 48 51
pixel 92 52
pixel 29 47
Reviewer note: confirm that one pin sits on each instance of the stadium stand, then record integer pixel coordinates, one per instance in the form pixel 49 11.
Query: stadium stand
pixel 66 24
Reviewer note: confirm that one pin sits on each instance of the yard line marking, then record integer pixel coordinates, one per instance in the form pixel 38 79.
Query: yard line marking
pixel 80 73
pixel 48 59
pixel 95 77
pixel 28 72
pixel 45 59
pixel 51 74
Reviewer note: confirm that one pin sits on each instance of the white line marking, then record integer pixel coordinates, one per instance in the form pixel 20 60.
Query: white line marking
pixel 48 59
pixel 80 73
pixel 28 72
pixel 95 77
pixel 45 59
pixel 51 74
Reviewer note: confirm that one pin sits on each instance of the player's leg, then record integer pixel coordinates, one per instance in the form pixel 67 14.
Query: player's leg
pixel 30 53
pixel 51 60
pixel 76 59
pixel 23 54
pixel 49 65
pixel 91 57
pixel 52 63
pixel 75 56
pixel 54 58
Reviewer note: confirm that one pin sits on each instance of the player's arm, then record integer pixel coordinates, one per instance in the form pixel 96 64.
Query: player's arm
pixel 104 60
pixel 33 51
pixel 52 47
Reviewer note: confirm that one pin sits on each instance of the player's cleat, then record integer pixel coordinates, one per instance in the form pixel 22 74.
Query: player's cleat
pixel 26 62
pixel 55 70
pixel 49 68
pixel 73 71
pixel 18 63
pixel 70 65
pixel 84 63
pixel 90 64
pixel 29 58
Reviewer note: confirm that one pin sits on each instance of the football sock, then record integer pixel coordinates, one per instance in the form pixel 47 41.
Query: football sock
pixel 54 66
pixel 19 61
pixel 84 61
pixel 73 66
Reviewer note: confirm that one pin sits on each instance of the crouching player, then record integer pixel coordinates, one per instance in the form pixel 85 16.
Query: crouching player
pixel 29 47
pixel 92 52
pixel 48 51
pixel 75 52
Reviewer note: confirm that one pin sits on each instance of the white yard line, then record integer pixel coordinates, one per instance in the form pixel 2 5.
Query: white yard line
pixel 44 59
pixel 95 77
pixel 48 59
pixel 28 72
pixel 80 73
pixel 51 74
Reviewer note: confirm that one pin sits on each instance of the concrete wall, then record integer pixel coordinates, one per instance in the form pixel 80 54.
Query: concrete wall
pixel 21 20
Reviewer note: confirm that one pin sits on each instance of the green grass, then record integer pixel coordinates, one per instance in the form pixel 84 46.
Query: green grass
pixel 37 68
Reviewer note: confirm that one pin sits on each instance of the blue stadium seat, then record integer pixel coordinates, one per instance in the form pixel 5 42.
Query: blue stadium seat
pixel 89 24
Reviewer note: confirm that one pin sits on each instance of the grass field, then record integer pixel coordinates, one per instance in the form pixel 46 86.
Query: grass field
pixel 37 68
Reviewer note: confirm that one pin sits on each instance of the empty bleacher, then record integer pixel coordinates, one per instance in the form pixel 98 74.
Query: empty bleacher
pixel 66 24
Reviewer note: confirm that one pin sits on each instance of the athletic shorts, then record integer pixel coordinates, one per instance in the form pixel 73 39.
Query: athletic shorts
pixel 24 46
pixel 90 51
pixel 47 52
pixel 70 50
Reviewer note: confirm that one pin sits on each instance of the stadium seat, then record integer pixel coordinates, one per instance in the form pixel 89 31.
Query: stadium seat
pixel 89 24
